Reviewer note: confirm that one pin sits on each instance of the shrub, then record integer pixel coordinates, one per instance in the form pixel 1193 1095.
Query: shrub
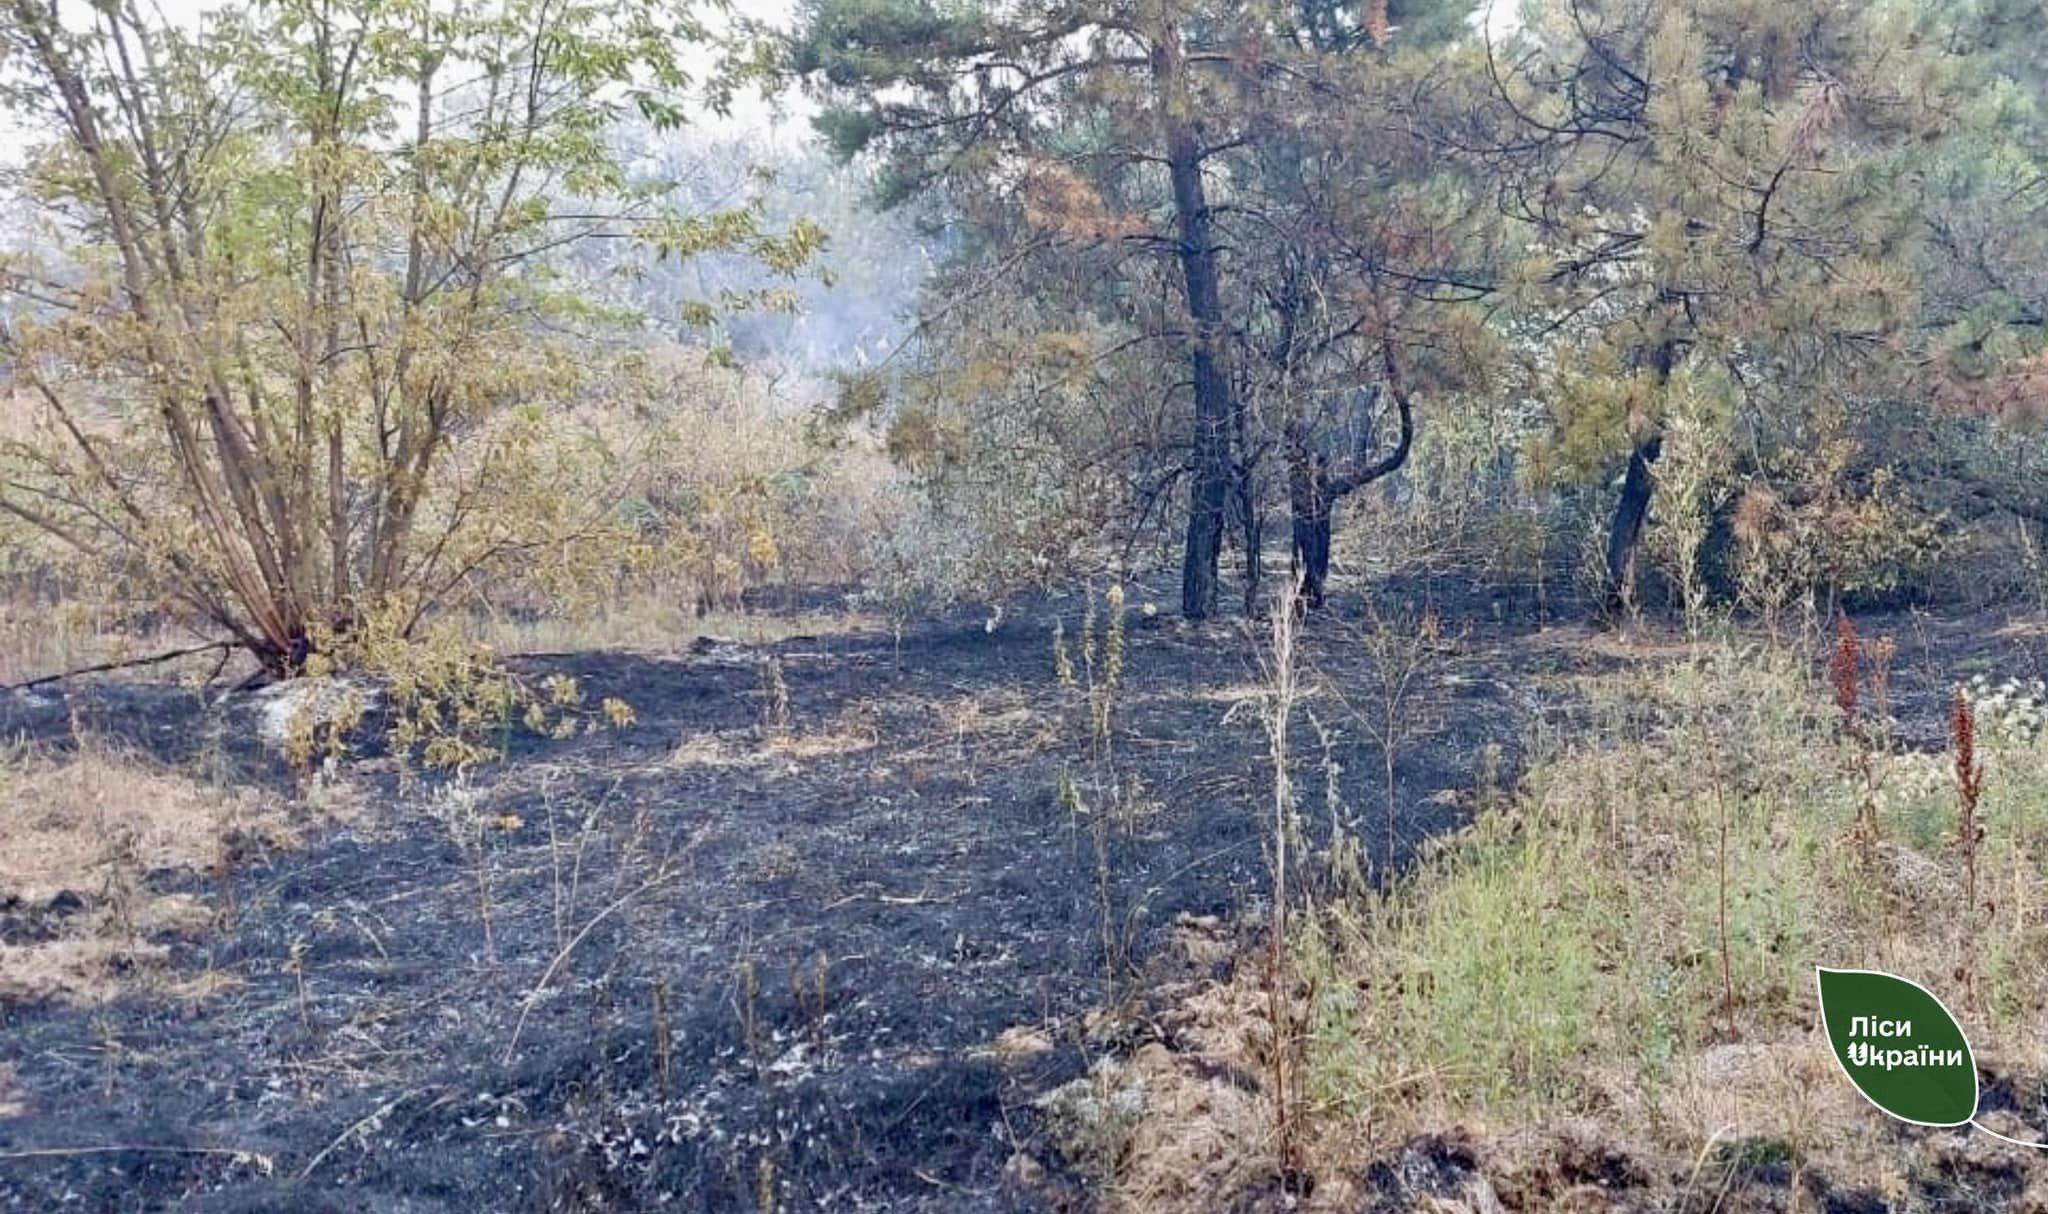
pixel 293 356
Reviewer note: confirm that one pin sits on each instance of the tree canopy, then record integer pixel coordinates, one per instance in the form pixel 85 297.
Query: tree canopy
pixel 300 251
pixel 1307 224
pixel 310 283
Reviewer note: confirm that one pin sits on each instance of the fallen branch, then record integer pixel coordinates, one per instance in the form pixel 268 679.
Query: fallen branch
pixel 102 667
pixel 261 1161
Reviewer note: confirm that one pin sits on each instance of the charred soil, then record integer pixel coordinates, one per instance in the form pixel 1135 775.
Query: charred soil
pixel 821 945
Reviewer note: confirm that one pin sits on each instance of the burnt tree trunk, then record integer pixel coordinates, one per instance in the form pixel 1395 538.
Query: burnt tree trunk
pixel 1309 498
pixel 1315 486
pixel 1253 525
pixel 1638 486
pixel 1215 404
pixel 1630 513
pixel 1251 516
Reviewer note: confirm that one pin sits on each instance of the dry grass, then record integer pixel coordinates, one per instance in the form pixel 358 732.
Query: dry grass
pixel 1016 1043
pixel 1155 1134
pixel 745 749
pixel 80 835
pixel 38 638
pixel 1564 959
pixel 978 733
pixel 652 623
pixel 1185 1130
pixel 972 732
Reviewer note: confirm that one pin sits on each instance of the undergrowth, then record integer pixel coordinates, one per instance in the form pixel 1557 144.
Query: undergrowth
pixel 1631 938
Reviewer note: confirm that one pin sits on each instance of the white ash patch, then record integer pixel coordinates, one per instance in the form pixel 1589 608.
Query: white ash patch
pixel 283 708
pixel 723 651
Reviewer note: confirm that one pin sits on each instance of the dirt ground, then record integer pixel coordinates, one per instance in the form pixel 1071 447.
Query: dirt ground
pixel 716 961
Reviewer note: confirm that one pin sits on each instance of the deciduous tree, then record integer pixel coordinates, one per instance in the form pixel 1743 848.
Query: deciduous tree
pixel 306 248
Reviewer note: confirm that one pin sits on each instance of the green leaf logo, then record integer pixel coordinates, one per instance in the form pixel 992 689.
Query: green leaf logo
pixel 1899 1046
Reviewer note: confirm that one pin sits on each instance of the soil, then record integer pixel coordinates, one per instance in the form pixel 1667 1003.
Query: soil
pixel 718 961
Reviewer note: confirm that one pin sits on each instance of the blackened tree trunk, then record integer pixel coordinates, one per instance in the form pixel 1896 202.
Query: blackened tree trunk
pixel 1638 486
pixel 1315 486
pixel 1215 404
pixel 1309 497
pixel 1630 513
pixel 1253 527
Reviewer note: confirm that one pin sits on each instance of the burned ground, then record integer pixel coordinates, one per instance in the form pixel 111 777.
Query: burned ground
pixel 719 961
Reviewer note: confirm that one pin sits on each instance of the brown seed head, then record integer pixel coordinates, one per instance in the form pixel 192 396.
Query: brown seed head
pixel 1962 730
pixel 1844 668
pixel 1753 514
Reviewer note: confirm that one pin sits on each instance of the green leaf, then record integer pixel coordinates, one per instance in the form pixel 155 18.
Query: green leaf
pixel 1899 1046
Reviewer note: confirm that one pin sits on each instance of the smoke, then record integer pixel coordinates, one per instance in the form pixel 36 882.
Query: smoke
pixel 855 305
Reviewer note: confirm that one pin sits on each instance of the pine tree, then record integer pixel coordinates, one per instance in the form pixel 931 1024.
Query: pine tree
pixel 1208 140
pixel 1716 187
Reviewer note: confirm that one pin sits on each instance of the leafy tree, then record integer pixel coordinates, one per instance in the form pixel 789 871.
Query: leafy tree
pixel 1128 156
pixel 1034 107
pixel 1714 184
pixel 1985 272
pixel 1372 250
pixel 310 248
pixel 1981 199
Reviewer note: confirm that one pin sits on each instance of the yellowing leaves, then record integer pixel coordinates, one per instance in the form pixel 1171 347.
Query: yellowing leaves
pixel 921 437
pixel 338 287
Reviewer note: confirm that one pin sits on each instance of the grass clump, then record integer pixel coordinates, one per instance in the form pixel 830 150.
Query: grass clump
pixel 1631 938
pixel 85 835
